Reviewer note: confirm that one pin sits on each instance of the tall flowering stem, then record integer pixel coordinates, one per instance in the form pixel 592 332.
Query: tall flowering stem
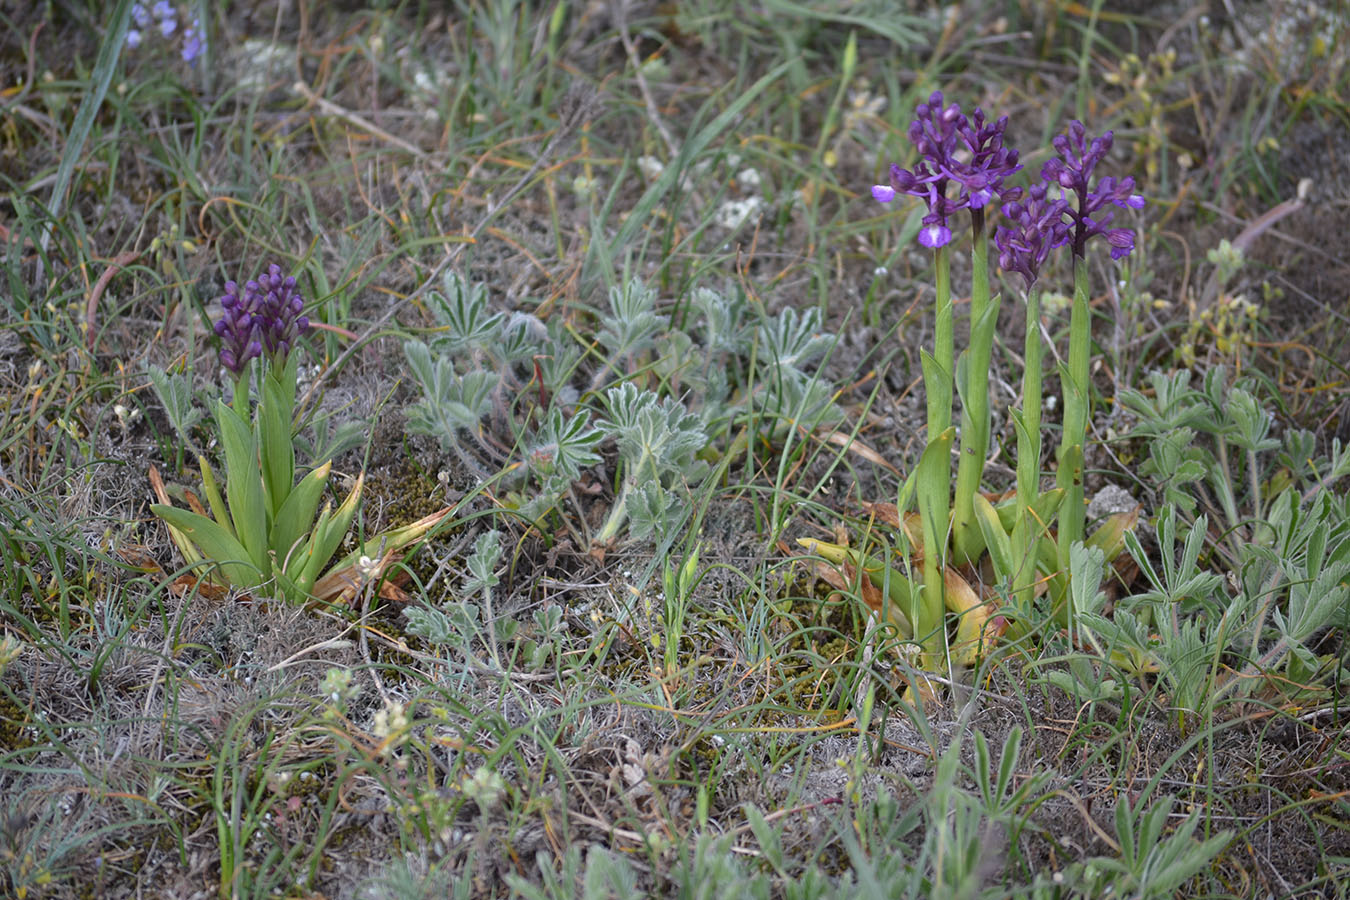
pixel 1088 216
pixel 967 158
pixel 1036 227
pixel 936 133
pixel 980 172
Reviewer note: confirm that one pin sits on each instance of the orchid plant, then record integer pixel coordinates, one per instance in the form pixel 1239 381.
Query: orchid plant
pixel 261 534
pixel 964 164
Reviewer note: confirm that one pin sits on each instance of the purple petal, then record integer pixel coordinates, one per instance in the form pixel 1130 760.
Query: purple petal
pixel 1121 241
pixel 883 193
pixel 979 198
pixel 935 236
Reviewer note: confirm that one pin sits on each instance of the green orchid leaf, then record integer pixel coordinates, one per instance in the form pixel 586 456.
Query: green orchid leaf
pixel 274 439
pixel 211 488
pixel 1043 510
pixel 296 516
pixel 243 485
pixel 328 535
pixel 934 496
pixel 215 543
pixel 393 540
pixel 937 381
pixel 301 568
pixel 995 539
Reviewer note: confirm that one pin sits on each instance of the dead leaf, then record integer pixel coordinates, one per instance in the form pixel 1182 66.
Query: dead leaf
pixel 853 445
pixel 191 584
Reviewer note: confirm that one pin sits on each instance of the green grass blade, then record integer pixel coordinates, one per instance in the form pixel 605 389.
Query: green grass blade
pixel 108 54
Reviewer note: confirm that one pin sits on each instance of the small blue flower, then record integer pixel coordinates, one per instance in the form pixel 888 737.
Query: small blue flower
pixel 168 18
pixel 193 45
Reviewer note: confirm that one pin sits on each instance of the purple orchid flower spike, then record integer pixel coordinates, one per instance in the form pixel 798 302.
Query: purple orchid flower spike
pixel 264 316
pixel 1073 173
pixel 955 149
pixel 981 178
pixel 237 329
pixel 1037 227
pixel 935 132
pixel 280 305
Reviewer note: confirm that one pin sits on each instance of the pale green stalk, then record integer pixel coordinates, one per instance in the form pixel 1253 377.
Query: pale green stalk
pixel 1025 531
pixel 966 537
pixel 934 473
pixel 944 346
pixel 1077 412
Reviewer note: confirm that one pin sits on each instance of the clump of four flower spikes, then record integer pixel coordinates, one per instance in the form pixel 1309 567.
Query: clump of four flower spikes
pixel 971 153
pixel 964 164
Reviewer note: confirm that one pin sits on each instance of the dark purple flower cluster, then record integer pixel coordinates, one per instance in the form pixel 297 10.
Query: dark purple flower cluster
pixel 265 316
pixel 951 148
pixel 1073 174
pixel 1043 221
pixel 1038 226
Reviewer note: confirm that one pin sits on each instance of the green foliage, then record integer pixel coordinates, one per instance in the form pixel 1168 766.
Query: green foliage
pixel 478 379
pixel 657 441
pixel 262 534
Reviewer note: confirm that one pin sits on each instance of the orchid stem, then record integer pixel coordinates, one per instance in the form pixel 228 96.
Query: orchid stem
pixel 967 539
pixel 1077 412
pixel 1026 532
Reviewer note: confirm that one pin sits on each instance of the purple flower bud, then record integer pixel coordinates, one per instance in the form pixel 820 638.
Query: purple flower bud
pixel 262 318
pixel 902 182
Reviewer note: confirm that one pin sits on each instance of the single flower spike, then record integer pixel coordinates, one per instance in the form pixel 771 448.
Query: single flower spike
pixel 981 178
pixel 237 329
pixel 1037 227
pixel 955 149
pixel 279 306
pixel 935 132
pixel 1073 174
pixel 264 316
